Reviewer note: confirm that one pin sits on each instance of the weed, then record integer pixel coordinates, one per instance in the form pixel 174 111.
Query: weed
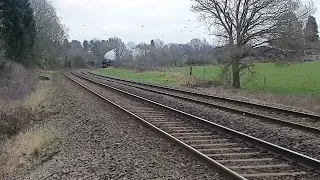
pixel 26 145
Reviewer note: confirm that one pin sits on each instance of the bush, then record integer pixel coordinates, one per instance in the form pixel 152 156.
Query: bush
pixel 197 62
pixel 12 123
pixel 3 60
pixel 16 82
pixel 78 61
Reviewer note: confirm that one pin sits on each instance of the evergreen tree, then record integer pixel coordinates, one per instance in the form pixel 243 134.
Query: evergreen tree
pixel 85 45
pixel 29 34
pixel 66 47
pixel 289 34
pixel 311 30
pixel 18 30
pixel 152 44
pixel 8 28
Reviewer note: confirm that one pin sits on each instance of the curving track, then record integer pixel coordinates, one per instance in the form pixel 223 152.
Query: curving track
pixel 307 122
pixel 237 155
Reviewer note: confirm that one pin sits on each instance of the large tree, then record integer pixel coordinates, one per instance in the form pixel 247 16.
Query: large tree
pixel 50 34
pixel 86 46
pixel 311 30
pixel 289 34
pixel 66 47
pixel 18 29
pixel 100 47
pixel 245 24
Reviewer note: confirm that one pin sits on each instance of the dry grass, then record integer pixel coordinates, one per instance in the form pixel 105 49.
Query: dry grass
pixel 11 123
pixel 37 99
pixel 308 103
pixel 194 82
pixel 22 104
pixel 18 151
pixel 16 83
pixel 17 114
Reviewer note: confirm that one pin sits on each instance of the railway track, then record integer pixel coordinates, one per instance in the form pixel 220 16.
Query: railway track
pixel 236 155
pixel 294 119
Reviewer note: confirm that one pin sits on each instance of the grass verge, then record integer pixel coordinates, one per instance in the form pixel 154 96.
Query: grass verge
pixel 152 77
pixel 20 115
pixel 296 85
pixel 19 150
pixel 298 78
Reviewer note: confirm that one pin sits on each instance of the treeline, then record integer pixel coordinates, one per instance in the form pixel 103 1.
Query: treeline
pixel 89 53
pixel 296 36
pixel 159 54
pixel 31 33
pixel 148 55
pixel 294 40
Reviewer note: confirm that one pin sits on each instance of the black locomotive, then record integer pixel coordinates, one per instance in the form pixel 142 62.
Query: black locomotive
pixel 106 63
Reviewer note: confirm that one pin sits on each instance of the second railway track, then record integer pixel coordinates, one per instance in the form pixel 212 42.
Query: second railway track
pixel 294 119
pixel 237 155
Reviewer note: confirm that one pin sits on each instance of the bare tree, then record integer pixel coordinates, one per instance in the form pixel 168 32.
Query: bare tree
pixel 66 47
pixel 289 34
pixel 245 24
pixel 159 54
pixel 121 51
pixel 3 59
pixel 50 33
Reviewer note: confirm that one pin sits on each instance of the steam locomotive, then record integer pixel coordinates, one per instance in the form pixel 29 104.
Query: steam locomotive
pixel 106 63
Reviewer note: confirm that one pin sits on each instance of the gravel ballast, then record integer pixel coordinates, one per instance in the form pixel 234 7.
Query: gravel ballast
pixel 305 143
pixel 236 106
pixel 99 141
pixel 234 94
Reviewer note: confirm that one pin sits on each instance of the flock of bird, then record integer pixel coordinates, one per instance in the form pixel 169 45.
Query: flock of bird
pixel 185 28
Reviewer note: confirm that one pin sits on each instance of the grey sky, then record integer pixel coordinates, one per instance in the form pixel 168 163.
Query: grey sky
pixel 163 19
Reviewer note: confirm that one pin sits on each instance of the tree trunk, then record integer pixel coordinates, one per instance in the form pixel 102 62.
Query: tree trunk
pixel 66 62
pixel 235 74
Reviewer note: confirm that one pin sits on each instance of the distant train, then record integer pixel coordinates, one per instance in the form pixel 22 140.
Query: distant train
pixel 106 63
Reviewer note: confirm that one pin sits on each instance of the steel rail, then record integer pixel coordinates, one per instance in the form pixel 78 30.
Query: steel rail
pixel 285 153
pixel 274 120
pixel 224 170
pixel 293 112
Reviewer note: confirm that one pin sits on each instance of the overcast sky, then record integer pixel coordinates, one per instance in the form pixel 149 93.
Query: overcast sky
pixel 134 20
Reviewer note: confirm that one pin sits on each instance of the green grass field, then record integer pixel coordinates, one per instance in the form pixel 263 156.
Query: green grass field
pixel 300 78
pixel 152 77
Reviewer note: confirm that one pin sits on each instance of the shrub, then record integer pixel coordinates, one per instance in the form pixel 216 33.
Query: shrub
pixel 16 83
pixel 12 123
pixel 79 61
